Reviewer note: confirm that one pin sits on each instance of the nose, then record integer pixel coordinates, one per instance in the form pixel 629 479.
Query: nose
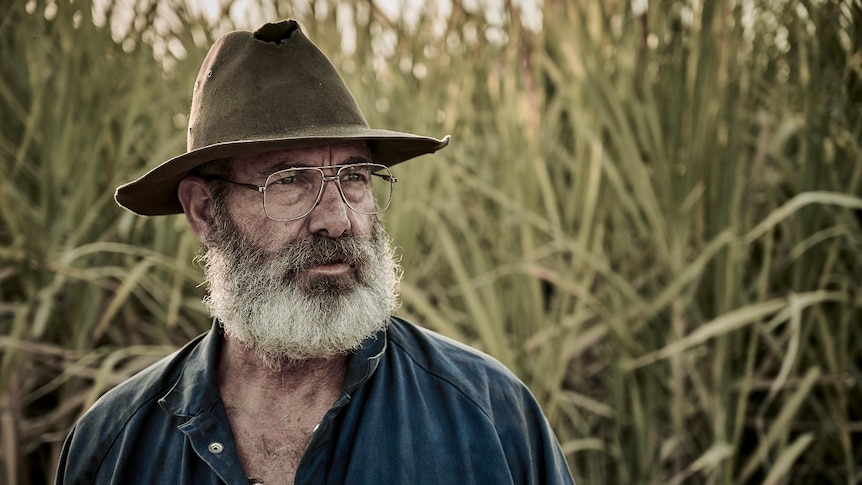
pixel 330 217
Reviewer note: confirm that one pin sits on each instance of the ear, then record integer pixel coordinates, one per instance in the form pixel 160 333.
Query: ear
pixel 197 205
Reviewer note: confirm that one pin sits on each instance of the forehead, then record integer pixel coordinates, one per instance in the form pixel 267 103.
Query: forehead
pixel 262 164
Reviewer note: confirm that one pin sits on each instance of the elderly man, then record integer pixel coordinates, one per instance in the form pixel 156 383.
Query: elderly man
pixel 305 377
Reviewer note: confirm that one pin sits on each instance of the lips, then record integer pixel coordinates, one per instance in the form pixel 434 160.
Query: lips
pixel 328 261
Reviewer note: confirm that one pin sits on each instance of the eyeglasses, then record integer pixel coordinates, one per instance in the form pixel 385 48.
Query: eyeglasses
pixel 293 193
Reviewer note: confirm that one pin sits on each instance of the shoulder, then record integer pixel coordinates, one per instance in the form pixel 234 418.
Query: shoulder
pixel 441 355
pixel 478 396
pixel 478 376
pixel 130 405
pixel 145 387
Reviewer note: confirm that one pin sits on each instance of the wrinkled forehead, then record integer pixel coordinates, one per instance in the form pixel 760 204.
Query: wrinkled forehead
pixel 263 164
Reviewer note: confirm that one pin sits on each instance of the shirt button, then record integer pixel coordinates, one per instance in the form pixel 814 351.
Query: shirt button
pixel 215 447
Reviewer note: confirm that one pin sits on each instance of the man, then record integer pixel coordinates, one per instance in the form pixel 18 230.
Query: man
pixel 305 377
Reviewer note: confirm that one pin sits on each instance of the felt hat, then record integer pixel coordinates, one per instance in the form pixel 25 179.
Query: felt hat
pixel 258 92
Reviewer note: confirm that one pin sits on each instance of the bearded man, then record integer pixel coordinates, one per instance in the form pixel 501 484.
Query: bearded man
pixel 306 376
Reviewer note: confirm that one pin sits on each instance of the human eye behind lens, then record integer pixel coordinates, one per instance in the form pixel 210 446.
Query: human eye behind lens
pixel 296 178
pixel 355 175
pixel 286 178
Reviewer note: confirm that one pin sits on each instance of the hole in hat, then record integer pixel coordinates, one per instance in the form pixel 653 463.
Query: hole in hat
pixel 276 32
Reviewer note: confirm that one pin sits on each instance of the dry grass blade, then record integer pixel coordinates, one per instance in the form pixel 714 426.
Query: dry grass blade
pixel 783 467
pixel 735 320
pixel 798 202
pixel 781 427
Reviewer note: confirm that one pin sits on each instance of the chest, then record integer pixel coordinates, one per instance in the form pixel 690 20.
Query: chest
pixel 271 447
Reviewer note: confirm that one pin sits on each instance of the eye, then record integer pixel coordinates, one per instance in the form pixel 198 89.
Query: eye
pixel 295 177
pixel 286 179
pixel 355 175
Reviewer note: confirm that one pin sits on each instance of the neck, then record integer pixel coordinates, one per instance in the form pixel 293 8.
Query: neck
pixel 241 368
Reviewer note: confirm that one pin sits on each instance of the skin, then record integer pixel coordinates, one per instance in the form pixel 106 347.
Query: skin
pixel 273 412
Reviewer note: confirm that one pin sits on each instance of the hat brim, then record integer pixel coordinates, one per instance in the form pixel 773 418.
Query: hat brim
pixel 155 193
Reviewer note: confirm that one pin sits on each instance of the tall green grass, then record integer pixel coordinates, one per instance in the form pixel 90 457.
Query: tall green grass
pixel 652 217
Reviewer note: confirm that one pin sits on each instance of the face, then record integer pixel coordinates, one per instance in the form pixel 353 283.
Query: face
pixel 314 287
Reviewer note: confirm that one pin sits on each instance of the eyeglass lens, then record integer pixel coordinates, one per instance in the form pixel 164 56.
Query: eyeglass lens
pixel 292 193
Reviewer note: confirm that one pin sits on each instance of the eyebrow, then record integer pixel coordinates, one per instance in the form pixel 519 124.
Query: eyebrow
pixel 285 165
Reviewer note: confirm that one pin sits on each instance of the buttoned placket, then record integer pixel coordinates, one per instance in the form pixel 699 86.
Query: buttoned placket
pixel 195 399
pixel 213 443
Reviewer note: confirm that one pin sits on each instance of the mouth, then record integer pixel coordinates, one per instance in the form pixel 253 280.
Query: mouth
pixel 331 266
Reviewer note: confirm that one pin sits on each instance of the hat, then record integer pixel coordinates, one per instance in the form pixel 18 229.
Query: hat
pixel 258 92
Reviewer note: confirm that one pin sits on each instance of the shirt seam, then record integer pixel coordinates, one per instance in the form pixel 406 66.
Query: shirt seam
pixel 444 379
pixel 153 398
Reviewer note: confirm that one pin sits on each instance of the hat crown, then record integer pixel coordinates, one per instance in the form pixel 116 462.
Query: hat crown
pixel 270 84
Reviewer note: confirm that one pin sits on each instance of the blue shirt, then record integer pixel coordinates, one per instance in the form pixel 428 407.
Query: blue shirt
pixel 416 408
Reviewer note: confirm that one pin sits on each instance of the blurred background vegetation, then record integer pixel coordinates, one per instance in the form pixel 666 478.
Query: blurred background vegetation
pixel 650 211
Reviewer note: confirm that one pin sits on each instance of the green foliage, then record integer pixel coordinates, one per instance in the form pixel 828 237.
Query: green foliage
pixel 652 217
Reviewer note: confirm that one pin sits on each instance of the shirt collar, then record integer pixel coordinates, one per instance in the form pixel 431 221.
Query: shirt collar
pixel 362 362
pixel 196 389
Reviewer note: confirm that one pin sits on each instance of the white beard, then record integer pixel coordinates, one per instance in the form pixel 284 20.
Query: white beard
pixel 264 302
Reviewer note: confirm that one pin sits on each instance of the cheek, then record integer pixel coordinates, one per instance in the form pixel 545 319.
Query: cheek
pixel 362 225
pixel 274 235
pixel 263 232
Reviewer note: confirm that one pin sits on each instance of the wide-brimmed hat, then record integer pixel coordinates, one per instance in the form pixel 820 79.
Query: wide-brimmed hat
pixel 258 92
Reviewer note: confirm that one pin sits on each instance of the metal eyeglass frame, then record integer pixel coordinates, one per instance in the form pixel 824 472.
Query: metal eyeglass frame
pixel 324 179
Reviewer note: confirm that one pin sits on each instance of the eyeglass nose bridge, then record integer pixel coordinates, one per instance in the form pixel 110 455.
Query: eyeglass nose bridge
pixel 330 178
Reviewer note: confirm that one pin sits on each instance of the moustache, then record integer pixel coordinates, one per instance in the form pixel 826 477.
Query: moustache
pixel 313 250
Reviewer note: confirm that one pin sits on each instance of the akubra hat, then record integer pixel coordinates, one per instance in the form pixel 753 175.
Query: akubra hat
pixel 258 92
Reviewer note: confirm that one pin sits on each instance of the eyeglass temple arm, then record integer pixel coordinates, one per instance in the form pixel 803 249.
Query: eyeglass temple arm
pixel 389 178
pixel 256 188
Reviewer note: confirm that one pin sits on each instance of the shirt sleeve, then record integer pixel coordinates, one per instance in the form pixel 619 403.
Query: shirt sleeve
pixel 532 450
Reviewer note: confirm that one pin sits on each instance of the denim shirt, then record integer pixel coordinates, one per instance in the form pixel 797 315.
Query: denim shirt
pixel 416 408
